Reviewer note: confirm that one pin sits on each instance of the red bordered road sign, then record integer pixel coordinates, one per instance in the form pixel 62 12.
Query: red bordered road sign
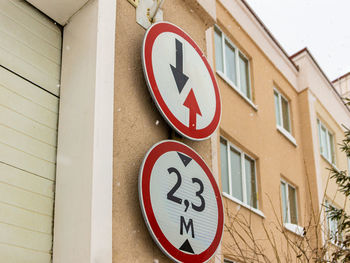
pixel 180 202
pixel 181 81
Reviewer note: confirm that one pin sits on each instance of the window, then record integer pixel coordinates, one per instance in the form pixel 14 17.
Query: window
pixel 332 225
pixel 282 112
pixel 332 229
pixel 232 64
pixel 238 174
pixel 289 203
pixel 326 142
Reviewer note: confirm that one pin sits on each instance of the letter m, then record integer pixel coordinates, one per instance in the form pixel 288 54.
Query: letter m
pixel 187 226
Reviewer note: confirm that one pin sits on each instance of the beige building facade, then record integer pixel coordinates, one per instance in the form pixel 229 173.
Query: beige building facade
pixel 342 85
pixel 328 116
pixel 71 194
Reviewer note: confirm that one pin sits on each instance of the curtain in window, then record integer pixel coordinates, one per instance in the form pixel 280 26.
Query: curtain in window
pixel 236 174
pixel 244 75
pixel 285 114
pixel 331 148
pixel 224 166
pixel 292 205
pixel 324 148
pixel 230 62
pixel 284 202
pixel 219 62
pixel 277 109
pixel 250 182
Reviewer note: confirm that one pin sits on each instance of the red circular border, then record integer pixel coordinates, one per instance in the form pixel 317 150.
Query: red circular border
pixel 145 200
pixel 152 33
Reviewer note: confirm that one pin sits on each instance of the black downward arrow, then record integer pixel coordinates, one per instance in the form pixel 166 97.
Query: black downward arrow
pixel 179 76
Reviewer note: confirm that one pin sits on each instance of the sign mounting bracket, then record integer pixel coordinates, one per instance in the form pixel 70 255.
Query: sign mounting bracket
pixel 148 12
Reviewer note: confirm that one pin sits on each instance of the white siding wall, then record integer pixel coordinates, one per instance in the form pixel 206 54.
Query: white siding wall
pixel 30 57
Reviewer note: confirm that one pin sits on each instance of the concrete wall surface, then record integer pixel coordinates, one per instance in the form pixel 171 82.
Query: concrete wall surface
pixel 138 125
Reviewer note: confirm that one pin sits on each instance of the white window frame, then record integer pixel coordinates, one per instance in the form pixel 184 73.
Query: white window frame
pixel 223 75
pixel 281 126
pixel 244 186
pixel 331 159
pixel 287 199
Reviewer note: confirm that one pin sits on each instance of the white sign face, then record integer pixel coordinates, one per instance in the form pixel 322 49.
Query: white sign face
pixel 181 202
pixel 199 82
pixel 181 81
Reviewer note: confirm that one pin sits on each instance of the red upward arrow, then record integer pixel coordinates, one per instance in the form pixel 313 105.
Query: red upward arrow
pixel 192 104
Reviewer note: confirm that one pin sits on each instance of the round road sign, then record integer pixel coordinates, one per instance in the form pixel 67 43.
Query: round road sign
pixel 180 202
pixel 181 81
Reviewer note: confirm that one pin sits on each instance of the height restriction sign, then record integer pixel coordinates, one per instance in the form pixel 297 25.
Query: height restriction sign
pixel 181 81
pixel 180 202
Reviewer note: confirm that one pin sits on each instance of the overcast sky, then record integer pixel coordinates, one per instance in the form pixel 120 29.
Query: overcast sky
pixel 320 25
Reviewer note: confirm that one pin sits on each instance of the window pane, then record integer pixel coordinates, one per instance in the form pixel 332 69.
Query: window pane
pixel 224 166
pixel 332 227
pixel 324 148
pixel 331 148
pixel 236 174
pixel 320 136
pixel 285 114
pixel 218 51
pixel 292 205
pixel 250 182
pixel 244 75
pixel 277 109
pixel 284 202
pixel 230 62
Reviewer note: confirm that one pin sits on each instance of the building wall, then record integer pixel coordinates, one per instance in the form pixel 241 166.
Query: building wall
pixel 327 106
pixel 255 132
pixel 256 29
pixel 138 125
pixel 310 76
pixel 309 144
pixel 329 187
pixel 320 101
pixel 342 85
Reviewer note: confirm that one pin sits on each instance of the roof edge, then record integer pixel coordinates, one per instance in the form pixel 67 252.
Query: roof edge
pixel 269 33
pixel 341 77
pixel 299 52
pixel 306 50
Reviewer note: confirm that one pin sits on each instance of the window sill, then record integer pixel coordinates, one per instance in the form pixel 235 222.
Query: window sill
pixel 298 230
pixel 229 82
pixel 256 211
pixel 287 135
pixel 331 164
